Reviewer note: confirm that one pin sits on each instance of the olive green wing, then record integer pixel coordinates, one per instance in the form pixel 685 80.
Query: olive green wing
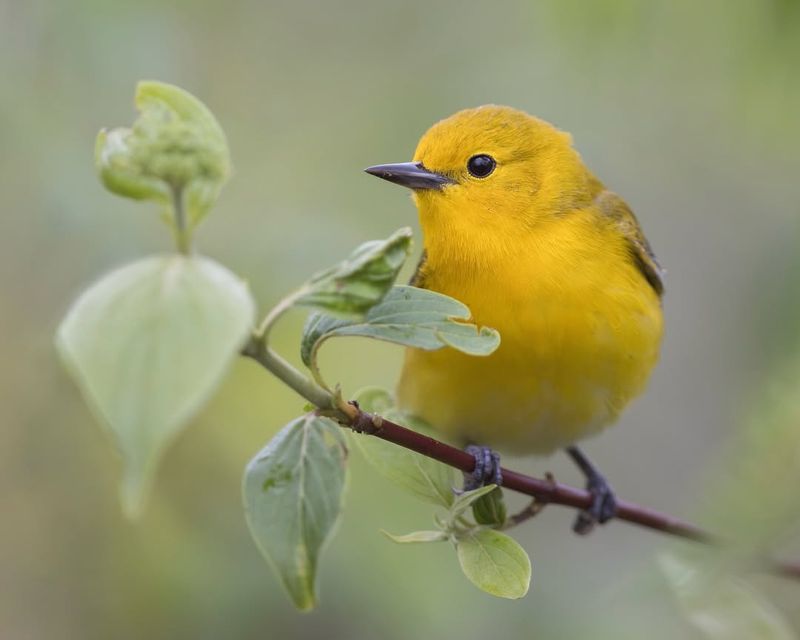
pixel 617 210
pixel 418 279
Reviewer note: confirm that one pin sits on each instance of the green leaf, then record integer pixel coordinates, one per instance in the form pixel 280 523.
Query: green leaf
pixel 722 606
pixel 464 501
pixel 423 477
pixel 495 563
pixel 490 509
pixel 293 495
pixel 351 287
pixel 408 316
pixel 416 537
pixel 374 400
pixel 176 145
pixel 147 345
pixel 153 94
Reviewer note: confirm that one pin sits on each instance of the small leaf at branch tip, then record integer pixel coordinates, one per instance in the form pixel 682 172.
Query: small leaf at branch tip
pixel 490 509
pixel 465 499
pixel 495 563
pixel 416 537
pixel 176 144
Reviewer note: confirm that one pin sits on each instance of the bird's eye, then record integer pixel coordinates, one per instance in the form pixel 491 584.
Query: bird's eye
pixel 481 165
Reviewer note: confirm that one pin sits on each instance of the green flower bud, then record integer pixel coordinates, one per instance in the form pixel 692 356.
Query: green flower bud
pixel 175 151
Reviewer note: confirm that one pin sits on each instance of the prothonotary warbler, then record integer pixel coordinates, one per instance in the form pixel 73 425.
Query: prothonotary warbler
pixel 518 228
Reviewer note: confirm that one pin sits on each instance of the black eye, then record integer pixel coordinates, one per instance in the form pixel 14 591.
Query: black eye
pixel 481 165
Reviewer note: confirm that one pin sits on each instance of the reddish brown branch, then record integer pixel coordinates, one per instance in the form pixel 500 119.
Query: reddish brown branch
pixel 787 569
pixel 544 490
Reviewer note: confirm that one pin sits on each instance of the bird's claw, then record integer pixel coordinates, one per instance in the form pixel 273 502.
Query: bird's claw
pixel 487 468
pixel 602 509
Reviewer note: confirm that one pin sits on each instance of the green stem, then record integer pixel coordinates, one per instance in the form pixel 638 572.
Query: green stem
pixel 258 350
pixel 272 317
pixel 314 366
pixel 182 236
pixel 276 312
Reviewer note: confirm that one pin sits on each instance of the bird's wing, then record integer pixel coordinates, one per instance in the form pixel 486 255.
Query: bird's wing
pixel 615 208
pixel 418 279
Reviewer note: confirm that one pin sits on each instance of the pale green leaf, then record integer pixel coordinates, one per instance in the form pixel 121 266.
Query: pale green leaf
pixel 147 345
pixel 416 537
pixel 407 316
pixel 351 287
pixel 374 400
pixel 464 501
pixel 495 563
pixel 423 477
pixel 293 496
pixel 176 144
pixel 722 606
pixel 490 509
pixel 187 107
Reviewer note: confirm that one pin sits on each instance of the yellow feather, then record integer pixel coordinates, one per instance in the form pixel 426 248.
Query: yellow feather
pixel 540 251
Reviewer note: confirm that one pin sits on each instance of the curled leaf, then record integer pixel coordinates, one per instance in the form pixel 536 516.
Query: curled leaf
pixel 416 537
pixel 490 509
pixel 465 500
pixel 113 161
pixel 351 287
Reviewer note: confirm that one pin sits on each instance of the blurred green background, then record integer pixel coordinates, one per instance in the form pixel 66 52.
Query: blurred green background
pixel 689 110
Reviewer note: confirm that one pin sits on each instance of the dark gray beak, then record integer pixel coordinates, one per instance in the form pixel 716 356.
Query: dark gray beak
pixel 409 174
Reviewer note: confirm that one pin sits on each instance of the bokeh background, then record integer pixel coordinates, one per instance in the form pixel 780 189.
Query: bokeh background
pixel 687 109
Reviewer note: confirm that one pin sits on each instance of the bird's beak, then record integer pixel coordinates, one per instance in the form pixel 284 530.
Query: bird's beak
pixel 409 174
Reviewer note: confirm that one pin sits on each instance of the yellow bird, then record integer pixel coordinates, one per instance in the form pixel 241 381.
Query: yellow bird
pixel 518 228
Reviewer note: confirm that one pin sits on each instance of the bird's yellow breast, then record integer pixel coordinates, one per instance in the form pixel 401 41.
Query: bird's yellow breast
pixel 579 323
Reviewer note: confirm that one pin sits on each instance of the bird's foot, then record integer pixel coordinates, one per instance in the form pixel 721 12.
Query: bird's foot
pixel 487 468
pixel 604 502
pixel 602 509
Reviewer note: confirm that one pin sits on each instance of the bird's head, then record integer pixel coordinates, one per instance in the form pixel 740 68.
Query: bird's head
pixel 491 170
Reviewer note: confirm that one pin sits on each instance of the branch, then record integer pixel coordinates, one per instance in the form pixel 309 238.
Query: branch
pixel 543 490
